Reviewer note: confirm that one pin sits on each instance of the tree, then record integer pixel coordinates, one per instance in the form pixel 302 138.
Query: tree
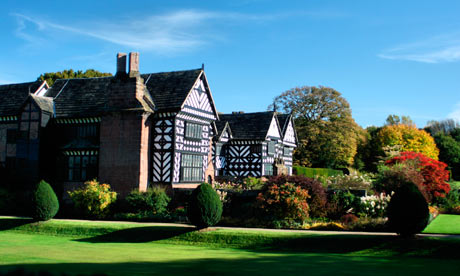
pixel 396 120
pixel 448 127
pixel 409 138
pixel 328 135
pixel 434 172
pixel 449 152
pixel 51 77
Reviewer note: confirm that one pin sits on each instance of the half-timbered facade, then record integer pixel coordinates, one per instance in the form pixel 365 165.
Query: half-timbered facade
pixel 133 130
pixel 254 144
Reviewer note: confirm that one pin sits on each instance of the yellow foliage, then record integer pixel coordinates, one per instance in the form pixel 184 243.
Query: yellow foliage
pixel 409 138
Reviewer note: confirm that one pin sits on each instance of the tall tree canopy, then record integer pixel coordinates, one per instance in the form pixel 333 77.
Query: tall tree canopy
pixel 51 77
pixel 396 120
pixel 408 138
pixel 328 135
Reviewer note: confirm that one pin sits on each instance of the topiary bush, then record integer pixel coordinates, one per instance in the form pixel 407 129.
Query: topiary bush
pixel 318 196
pixel 153 200
pixel 44 202
pixel 407 211
pixel 205 207
pixel 94 199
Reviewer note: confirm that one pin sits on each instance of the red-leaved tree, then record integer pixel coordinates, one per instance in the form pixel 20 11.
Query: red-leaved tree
pixel 434 172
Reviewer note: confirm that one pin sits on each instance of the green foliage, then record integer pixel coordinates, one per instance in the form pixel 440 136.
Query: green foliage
pixel 449 152
pixel 154 200
pixel 341 202
pixel 45 204
pixel 316 172
pixel 450 203
pixel 396 120
pixel 94 199
pixel 408 212
pixel 328 135
pixel 205 207
pixel 51 77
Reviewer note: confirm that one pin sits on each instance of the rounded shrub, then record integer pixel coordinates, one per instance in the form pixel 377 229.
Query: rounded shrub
pixel 407 211
pixel 205 207
pixel 45 204
pixel 153 200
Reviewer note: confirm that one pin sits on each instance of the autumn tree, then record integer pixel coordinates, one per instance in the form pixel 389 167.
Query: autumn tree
pixel 328 135
pixel 407 138
pixel 51 77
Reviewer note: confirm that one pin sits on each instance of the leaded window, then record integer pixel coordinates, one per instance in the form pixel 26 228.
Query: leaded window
pixel 192 167
pixel 271 148
pixel 287 151
pixel 268 169
pixel 81 167
pixel 193 131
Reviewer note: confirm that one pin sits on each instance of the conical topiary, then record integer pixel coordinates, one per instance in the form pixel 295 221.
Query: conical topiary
pixel 205 207
pixel 408 212
pixel 45 204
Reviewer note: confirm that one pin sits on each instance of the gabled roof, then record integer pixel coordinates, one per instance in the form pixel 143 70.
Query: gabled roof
pixel 283 120
pixel 170 89
pixel 80 97
pixel 249 126
pixel 12 96
pixel 222 126
pixel 44 103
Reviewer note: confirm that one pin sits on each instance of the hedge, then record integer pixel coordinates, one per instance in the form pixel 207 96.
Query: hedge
pixel 312 172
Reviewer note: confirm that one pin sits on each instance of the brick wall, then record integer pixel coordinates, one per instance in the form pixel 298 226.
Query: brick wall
pixel 123 155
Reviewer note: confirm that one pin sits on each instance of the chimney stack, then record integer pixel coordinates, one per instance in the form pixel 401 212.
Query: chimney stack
pixel 133 64
pixel 121 63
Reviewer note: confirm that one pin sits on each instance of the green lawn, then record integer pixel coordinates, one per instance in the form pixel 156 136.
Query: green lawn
pixel 454 184
pixel 444 224
pixel 144 249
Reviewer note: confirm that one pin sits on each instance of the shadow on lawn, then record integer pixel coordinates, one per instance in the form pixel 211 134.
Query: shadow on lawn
pixel 256 264
pixel 11 223
pixel 139 234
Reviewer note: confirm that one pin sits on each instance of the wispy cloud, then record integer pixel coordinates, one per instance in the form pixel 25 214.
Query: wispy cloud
pixel 176 31
pixel 455 114
pixel 443 48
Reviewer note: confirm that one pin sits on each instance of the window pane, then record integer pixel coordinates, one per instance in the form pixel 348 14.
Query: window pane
pixel 77 161
pixel 71 159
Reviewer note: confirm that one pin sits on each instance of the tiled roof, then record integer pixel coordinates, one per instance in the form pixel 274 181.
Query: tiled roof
pixel 45 103
pixel 80 97
pixel 12 96
pixel 249 126
pixel 170 89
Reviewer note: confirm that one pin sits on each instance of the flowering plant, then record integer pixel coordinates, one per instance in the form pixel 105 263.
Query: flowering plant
pixel 93 199
pixel 350 181
pixel 375 205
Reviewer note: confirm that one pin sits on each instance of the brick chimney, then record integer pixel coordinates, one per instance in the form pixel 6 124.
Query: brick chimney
pixel 133 65
pixel 121 64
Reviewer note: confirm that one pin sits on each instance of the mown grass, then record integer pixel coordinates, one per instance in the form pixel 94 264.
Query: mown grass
pixel 77 247
pixel 444 224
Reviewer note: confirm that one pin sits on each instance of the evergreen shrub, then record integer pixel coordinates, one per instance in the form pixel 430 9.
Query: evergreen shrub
pixel 153 200
pixel 205 207
pixel 407 211
pixel 44 202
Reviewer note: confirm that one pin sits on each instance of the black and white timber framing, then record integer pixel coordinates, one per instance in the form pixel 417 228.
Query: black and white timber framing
pixel 254 144
pixel 181 138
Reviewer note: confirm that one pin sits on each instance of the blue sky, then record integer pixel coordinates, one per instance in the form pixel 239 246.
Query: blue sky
pixel 385 57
